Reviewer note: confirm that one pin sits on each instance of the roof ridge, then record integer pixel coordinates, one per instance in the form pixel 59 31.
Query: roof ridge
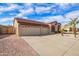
pixel 26 20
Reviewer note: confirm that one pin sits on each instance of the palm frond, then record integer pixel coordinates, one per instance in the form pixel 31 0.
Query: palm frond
pixel 73 22
pixel 77 21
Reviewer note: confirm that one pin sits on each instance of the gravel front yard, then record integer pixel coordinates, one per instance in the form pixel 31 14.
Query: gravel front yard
pixel 15 46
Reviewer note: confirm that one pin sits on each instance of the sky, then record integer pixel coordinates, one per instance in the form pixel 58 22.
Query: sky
pixel 44 12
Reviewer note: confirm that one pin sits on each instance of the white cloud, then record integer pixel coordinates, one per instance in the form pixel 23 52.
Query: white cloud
pixel 58 18
pixel 62 19
pixel 8 8
pixel 41 9
pixel 28 4
pixel 25 12
pixel 5 19
pixel 12 7
pixel 72 14
pixel 64 5
pixel 54 18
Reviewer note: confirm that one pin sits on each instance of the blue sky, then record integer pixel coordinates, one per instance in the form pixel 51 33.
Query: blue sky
pixel 44 12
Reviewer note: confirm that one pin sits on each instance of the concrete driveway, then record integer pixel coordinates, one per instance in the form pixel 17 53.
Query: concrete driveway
pixel 54 45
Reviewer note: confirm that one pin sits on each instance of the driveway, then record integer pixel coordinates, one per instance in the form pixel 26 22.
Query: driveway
pixel 54 45
pixel 11 45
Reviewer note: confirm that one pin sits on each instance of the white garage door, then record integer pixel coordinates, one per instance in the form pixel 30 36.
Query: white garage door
pixel 29 30
pixel 44 30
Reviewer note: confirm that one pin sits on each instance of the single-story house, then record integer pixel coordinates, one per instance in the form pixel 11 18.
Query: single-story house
pixel 6 29
pixel 10 30
pixel 3 29
pixel 30 27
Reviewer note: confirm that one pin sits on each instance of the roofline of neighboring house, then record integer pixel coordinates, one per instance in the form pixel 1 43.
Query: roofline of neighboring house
pixel 6 25
pixel 54 22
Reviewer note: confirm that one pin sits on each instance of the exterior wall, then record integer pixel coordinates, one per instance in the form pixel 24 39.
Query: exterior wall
pixel 3 29
pixel 56 28
pixel 6 29
pixel 16 25
pixel 10 30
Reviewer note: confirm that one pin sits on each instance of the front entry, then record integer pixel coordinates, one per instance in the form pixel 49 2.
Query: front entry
pixel 52 28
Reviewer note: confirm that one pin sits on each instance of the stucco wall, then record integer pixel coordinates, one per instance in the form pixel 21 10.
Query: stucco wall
pixel 16 24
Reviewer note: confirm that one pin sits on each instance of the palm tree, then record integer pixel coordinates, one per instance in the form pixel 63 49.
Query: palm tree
pixel 62 29
pixel 73 23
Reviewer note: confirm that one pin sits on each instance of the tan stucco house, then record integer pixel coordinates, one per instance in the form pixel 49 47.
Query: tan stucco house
pixel 30 27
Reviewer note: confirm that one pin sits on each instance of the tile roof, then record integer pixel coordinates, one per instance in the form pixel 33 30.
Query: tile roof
pixel 29 21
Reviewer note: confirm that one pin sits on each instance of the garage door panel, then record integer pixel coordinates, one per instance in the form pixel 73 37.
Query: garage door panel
pixel 45 31
pixel 30 30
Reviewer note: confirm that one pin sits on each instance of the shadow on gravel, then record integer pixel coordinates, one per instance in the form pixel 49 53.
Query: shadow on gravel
pixel 4 35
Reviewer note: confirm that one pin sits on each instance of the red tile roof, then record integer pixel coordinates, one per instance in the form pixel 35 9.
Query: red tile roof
pixel 20 20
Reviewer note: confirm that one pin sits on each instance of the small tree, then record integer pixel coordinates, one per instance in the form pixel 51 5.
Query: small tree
pixel 73 23
pixel 62 31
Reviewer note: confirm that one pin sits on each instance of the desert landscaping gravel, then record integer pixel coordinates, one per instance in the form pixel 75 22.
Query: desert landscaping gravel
pixel 11 45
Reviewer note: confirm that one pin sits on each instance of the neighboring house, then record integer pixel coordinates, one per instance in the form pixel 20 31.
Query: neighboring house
pixel 6 29
pixel 3 29
pixel 30 27
pixel 10 30
pixel 68 29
